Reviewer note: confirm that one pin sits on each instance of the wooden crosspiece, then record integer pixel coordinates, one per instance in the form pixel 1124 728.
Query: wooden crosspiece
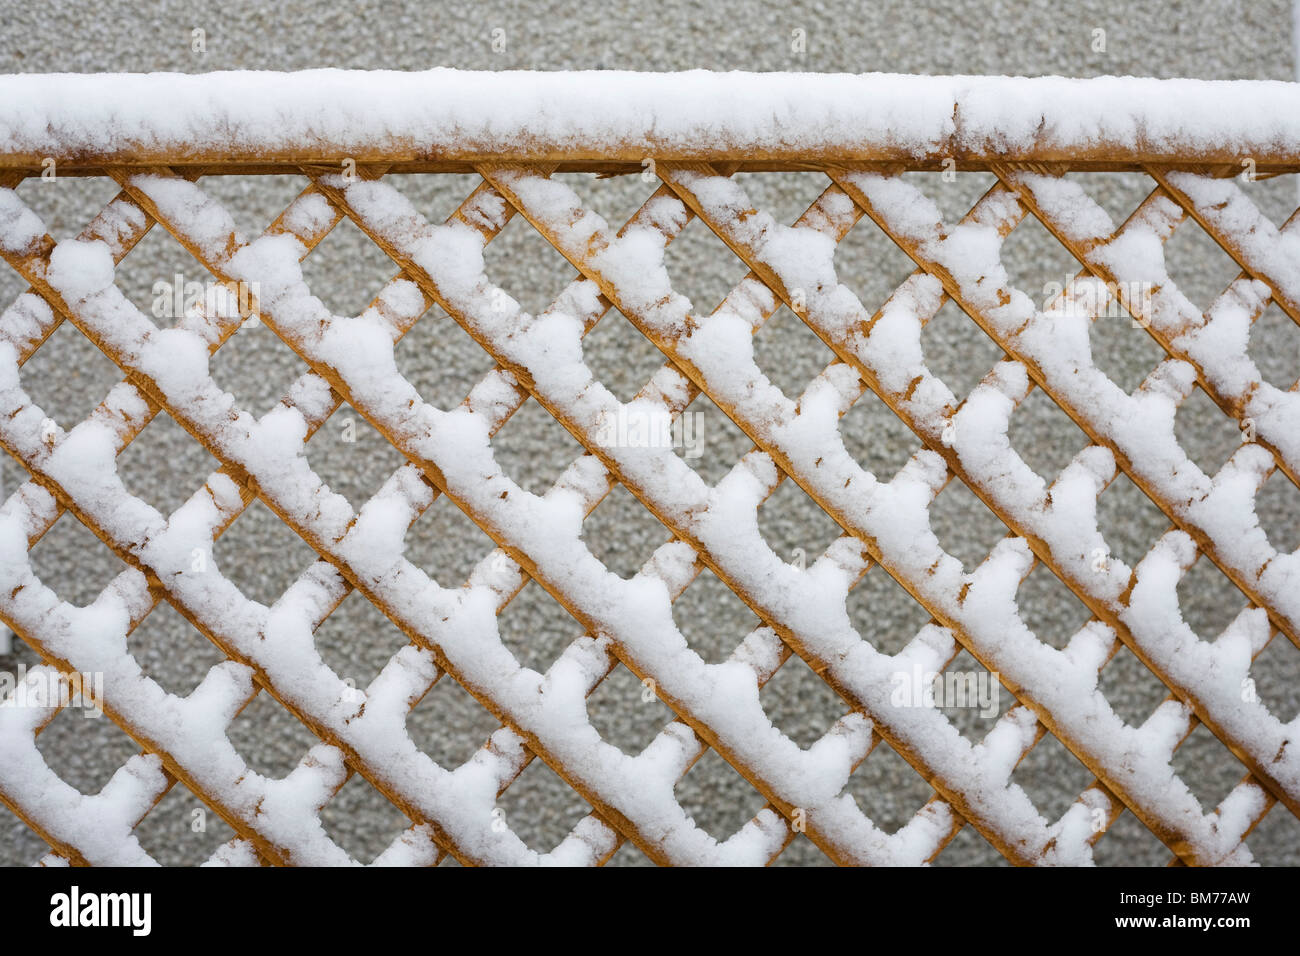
pixel 451 626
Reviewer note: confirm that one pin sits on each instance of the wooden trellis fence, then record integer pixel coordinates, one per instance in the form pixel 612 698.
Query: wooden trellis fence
pixel 159 138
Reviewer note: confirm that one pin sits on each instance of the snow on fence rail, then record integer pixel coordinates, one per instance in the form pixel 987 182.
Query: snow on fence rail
pixel 353 138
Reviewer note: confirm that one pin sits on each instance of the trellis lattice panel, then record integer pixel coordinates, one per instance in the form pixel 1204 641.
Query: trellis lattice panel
pixel 916 456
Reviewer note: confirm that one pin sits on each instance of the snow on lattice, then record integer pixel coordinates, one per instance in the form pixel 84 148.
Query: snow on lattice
pixel 452 626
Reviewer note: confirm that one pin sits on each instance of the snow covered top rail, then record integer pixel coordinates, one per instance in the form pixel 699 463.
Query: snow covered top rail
pixel 614 120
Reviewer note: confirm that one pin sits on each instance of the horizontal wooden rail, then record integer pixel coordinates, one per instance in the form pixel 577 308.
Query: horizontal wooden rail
pixel 617 120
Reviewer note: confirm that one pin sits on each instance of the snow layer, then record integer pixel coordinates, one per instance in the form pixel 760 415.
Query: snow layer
pixel 447 113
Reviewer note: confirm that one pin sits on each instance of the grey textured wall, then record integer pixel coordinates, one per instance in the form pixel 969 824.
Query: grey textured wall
pixel 1214 40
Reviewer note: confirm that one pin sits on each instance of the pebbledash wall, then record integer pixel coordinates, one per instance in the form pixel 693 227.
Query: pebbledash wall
pixel 1211 40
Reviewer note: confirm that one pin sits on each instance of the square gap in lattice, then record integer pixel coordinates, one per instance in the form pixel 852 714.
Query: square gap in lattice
pixel 1044 436
pixel 615 199
pixel 73 562
pixel 1128 842
pixel 1129 521
pixel 712 618
pixel 1207 767
pixel 12 285
pixel 799 703
pixel 1274 347
pixel 784 196
pixel 357 641
pixel 1274 838
pixel 534 449
pixel 1036 262
pixel 623 533
pixel 435 195
pixel 1130 688
pixel 162 278
pixel 66 204
pixel 1278 507
pixel 887 789
pixel 165 465
pixel 68 376
pixel 884 613
pixel 619 356
pixel 971 696
pixel 1050 609
pixel 19 653
pixel 626 711
pixel 254 202
pixel 271 741
pixel 83 749
pixel 352 457
pixel 1205 433
pixel 1274 196
pixel 1116 193
pixel 540 808
pixel 347 269
pixel 871 264
pixel 702 267
pixel 172 651
pixel 1052 777
pixel 362 820
pixel 954 192
pixel 628 855
pixel 957 350
pixel 527 266
pixel 1197 264
pixel 969 848
pixel 13 476
pixel 794 526
pixel 260 554
pixel 801 851
pixel 449 725
pixel 536 628
pixel 446 543
pixel 1208 600
pixel 717 798
pixel 877 439
pixel 708 440
pixel 1121 349
pixel 181 830
pixel 789 353
pixel 256 367
pixel 1276 673
pixel 441 360
pixel 965 526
